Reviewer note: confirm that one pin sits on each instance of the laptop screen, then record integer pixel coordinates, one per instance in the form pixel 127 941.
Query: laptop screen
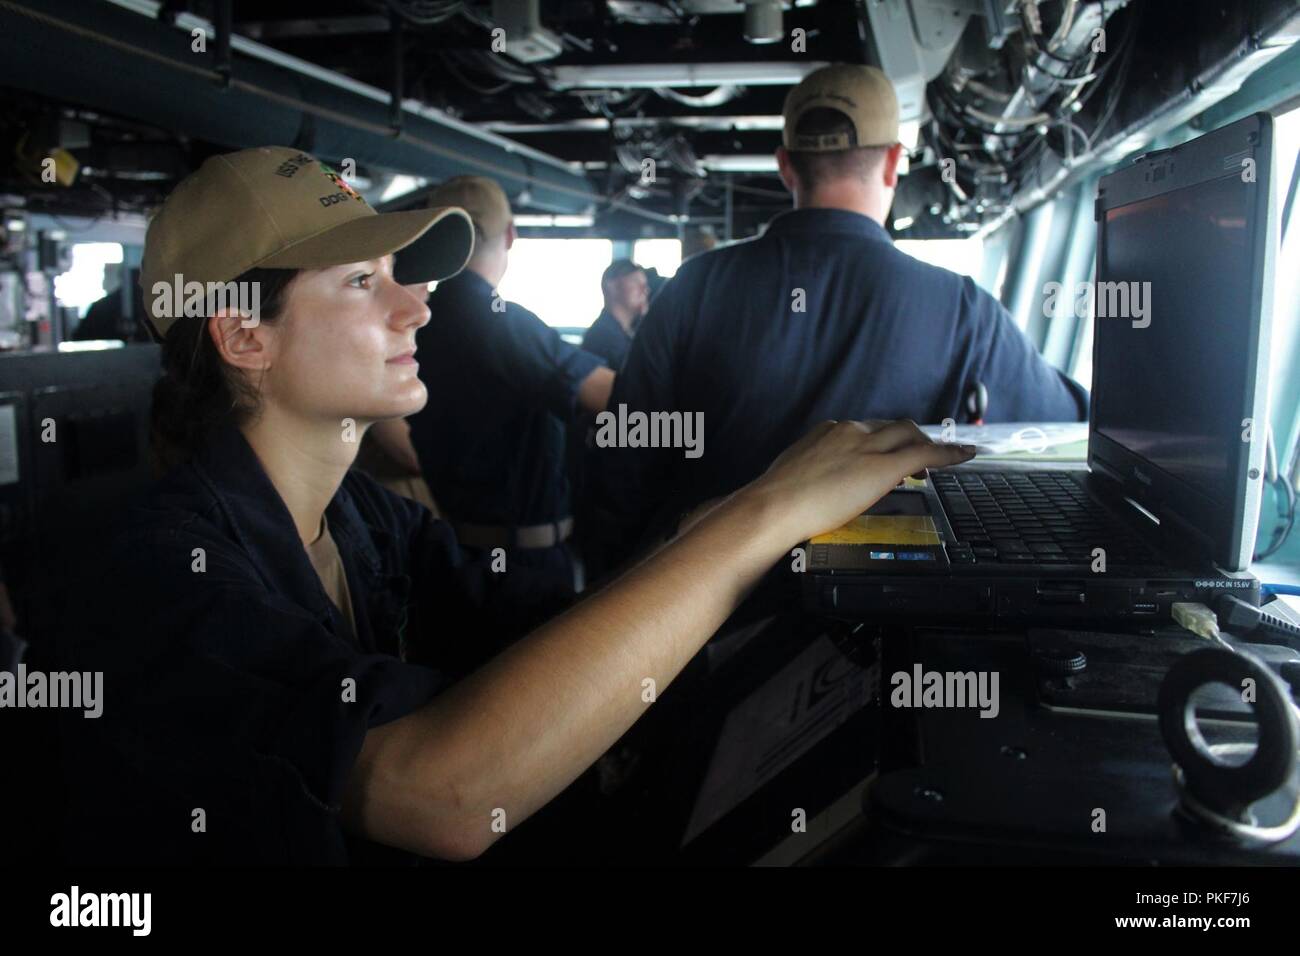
pixel 1172 319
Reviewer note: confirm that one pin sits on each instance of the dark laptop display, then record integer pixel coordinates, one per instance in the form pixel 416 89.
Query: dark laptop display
pixel 1179 392
pixel 1168 386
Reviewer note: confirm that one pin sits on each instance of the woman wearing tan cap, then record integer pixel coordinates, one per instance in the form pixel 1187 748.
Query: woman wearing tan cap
pixel 266 626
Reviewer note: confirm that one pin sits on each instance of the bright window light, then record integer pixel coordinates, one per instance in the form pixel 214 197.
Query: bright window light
pixel 559 279
pixel 963 256
pixel 1083 366
pixel 400 186
pixel 664 255
pixel 83 284
pixel 548 221
pixel 1285 345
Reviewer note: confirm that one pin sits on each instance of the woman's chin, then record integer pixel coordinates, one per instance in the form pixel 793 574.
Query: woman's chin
pixel 394 402
pixel 410 402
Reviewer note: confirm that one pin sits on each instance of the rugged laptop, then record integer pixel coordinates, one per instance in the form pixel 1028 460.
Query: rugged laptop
pixel 1167 507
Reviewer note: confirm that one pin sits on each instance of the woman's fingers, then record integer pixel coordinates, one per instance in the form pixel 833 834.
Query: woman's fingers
pixel 870 425
pixel 841 468
pixel 835 445
pixel 894 435
pixel 914 458
pixel 876 437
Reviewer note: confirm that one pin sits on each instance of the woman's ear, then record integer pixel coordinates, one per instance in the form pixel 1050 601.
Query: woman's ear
pixel 242 342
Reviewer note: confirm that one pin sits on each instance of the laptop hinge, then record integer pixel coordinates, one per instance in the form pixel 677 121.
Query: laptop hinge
pixel 1172 534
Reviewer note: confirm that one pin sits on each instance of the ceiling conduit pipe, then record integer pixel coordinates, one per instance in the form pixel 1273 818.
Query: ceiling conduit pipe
pixel 101 56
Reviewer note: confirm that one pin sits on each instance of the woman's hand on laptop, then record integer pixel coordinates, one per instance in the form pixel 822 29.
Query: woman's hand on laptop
pixel 840 469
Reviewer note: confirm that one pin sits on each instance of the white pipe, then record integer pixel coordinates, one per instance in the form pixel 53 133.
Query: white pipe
pixel 765 163
pixel 650 75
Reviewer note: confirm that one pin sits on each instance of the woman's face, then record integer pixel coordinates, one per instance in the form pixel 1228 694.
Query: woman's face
pixel 344 345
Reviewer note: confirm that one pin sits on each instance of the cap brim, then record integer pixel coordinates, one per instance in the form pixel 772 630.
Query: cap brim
pixel 444 237
pixel 441 252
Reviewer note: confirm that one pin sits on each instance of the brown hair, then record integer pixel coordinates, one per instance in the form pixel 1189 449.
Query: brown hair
pixel 617 270
pixel 198 391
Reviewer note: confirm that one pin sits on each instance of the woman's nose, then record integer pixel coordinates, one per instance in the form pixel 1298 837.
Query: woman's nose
pixel 408 306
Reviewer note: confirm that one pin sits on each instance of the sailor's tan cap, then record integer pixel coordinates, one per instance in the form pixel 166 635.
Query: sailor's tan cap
pixel 862 93
pixel 485 202
pixel 482 198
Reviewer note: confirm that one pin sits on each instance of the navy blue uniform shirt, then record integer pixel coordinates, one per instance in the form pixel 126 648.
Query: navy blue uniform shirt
pixel 821 317
pixel 608 339
pixel 231 684
pixel 502 386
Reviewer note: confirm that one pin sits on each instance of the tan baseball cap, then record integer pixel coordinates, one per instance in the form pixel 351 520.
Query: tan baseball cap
pixel 862 93
pixel 278 208
pixel 482 198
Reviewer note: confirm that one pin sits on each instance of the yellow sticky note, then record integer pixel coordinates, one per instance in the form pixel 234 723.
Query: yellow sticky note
pixel 884 529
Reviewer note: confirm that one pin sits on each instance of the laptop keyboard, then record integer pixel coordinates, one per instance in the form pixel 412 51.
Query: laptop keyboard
pixel 1038 517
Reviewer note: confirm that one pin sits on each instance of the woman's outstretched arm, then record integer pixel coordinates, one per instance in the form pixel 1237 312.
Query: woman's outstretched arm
pixel 513 735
